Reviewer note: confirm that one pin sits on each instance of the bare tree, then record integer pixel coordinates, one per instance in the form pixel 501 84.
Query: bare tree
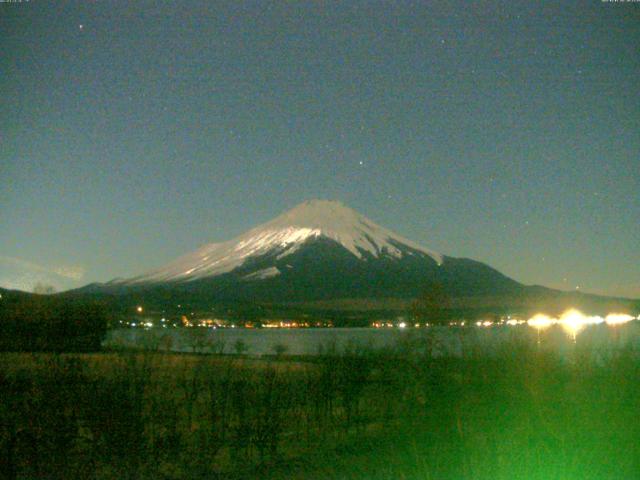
pixel 280 349
pixel 43 289
pixel 240 347
pixel 198 338
pixel 432 304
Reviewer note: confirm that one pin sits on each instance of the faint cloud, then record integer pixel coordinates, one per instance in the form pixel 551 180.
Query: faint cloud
pixel 72 272
pixel 20 274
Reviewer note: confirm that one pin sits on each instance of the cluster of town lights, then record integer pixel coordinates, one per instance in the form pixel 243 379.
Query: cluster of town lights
pixel 571 320
pixel 574 320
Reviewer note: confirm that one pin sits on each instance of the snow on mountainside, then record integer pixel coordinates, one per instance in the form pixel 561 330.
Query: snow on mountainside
pixel 284 235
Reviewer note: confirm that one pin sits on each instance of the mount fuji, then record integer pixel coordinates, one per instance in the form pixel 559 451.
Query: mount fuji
pixel 320 250
pixel 322 254
pixel 311 222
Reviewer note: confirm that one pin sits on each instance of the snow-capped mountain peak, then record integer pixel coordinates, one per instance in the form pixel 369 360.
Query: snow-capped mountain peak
pixel 353 231
pixel 286 234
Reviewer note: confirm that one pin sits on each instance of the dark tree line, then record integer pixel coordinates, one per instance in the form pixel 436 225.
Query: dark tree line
pixel 44 323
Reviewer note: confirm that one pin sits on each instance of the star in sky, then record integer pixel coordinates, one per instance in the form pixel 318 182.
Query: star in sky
pixel 514 127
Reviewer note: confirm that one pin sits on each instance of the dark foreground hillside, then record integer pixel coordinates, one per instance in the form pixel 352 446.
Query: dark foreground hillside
pixel 522 413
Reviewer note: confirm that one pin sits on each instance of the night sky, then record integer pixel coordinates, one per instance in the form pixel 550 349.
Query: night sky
pixel 507 132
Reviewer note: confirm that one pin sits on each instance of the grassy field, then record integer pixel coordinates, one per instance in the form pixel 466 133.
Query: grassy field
pixel 520 413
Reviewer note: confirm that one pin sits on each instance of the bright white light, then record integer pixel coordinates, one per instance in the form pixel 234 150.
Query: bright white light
pixel 541 321
pixel 139 309
pixel 617 318
pixel 574 320
pixel 402 325
pixel 572 317
pixel 484 323
pixel 512 322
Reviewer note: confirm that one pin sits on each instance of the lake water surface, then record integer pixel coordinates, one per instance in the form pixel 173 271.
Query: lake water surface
pixel 597 339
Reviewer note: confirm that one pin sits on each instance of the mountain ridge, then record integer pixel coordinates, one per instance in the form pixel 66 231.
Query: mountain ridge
pixel 324 253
